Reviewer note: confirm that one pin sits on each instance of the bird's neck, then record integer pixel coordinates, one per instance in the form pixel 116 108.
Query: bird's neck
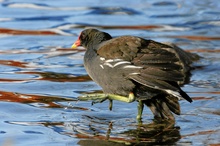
pixel 91 53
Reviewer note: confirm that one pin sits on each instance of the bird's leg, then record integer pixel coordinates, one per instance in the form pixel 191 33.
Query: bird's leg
pixel 110 104
pixel 100 97
pixel 140 110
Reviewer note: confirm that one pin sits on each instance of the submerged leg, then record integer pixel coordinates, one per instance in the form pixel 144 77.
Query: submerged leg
pixel 100 97
pixel 140 110
pixel 110 104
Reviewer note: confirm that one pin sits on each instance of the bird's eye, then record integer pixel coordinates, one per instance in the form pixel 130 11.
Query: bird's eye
pixel 82 36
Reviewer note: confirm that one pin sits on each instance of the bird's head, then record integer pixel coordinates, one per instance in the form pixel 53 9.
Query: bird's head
pixel 90 38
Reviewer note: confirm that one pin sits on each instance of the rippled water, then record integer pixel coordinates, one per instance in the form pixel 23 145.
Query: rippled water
pixel 41 77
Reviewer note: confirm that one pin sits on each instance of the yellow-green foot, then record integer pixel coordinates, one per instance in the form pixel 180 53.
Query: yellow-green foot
pixel 100 97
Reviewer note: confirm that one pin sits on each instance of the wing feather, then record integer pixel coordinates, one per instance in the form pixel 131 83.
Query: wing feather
pixel 159 63
pixel 152 83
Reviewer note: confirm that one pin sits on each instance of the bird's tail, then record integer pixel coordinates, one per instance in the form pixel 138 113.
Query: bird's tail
pixel 163 106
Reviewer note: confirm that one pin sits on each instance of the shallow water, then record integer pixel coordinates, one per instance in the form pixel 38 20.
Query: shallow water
pixel 41 77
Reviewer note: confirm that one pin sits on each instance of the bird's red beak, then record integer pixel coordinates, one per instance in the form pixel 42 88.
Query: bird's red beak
pixel 76 44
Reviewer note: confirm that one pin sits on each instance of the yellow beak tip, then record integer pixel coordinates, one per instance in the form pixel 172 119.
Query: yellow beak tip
pixel 74 46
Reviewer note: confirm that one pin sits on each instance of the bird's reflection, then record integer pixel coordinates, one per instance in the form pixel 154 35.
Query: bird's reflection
pixel 101 132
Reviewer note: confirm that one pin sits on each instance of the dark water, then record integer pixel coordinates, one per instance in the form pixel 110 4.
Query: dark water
pixel 40 76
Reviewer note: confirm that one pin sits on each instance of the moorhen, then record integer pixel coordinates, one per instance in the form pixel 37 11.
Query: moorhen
pixel 130 68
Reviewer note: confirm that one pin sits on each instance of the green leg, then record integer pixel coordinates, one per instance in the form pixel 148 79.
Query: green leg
pixel 100 97
pixel 140 110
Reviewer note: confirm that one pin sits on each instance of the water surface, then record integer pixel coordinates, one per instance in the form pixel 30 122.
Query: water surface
pixel 41 77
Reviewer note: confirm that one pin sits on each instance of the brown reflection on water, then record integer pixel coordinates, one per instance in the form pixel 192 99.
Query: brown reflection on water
pixel 144 27
pixel 49 76
pixel 50 51
pixel 59 77
pixel 198 50
pixel 196 38
pixel 202 98
pixel 64 77
pixel 25 32
pixel 208 132
pixel 49 101
pixel 13 63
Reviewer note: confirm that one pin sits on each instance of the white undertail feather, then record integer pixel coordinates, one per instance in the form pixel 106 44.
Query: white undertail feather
pixel 174 93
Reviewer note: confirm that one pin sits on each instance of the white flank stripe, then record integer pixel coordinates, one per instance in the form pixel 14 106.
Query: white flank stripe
pixel 134 73
pixel 101 58
pixel 112 60
pixel 121 62
pixel 132 67
pixel 101 66
pixel 117 62
pixel 108 64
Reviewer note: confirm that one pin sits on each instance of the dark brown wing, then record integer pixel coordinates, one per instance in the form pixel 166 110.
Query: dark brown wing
pixel 125 47
pixel 160 63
